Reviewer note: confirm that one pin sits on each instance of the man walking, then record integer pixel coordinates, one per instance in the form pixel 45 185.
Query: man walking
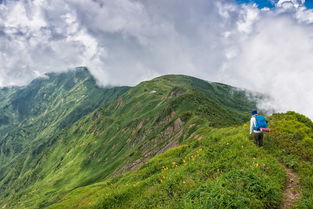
pixel 257 124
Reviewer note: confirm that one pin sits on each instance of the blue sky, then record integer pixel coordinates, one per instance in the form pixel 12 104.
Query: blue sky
pixel 260 3
pixel 271 3
pixel 309 4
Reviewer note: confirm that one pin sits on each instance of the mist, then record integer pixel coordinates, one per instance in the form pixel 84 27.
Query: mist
pixel 124 42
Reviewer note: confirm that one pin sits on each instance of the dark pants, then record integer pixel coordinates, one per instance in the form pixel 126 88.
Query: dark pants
pixel 258 139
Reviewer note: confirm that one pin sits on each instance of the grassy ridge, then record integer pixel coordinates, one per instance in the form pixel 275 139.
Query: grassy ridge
pixel 82 154
pixel 213 168
pixel 46 106
pixel 120 136
pixel 37 114
pixel 291 141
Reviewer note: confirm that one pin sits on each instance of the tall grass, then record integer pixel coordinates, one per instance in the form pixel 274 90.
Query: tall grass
pixel 219 168
pixel 291 141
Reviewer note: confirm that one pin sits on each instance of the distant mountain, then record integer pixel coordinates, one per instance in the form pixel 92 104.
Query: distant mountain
pixel 45 106
pixel 31 116
pixel 66 143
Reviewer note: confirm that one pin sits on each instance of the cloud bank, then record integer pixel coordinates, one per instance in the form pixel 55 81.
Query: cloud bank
pixel 124 42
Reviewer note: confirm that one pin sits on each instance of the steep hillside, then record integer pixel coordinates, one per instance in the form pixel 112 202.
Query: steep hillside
pixel 291 142
pixel 34 114
pixel 45 106
pixel 119 136
pixel 7 117
pixel 213 168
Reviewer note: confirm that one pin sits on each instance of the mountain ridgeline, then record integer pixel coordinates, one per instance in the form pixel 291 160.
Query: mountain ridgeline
pixel 67 143
pixel 46 106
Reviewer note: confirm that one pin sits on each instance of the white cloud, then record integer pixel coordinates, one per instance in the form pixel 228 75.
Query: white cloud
pixel 249 16
pixel 126 41
pixel 290 3
pixel 276 59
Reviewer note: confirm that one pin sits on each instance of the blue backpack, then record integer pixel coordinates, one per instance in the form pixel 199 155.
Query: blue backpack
pixel 260 122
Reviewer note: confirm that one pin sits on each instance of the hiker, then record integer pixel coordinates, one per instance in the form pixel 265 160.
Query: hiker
pixel 258 125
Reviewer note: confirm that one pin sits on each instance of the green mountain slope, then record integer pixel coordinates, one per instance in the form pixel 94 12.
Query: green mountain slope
pixel 291 142
pixel 172 142
pixel 217 168
pixel 47 105
pixel 36 113
pixel 213 168
pixel 119 136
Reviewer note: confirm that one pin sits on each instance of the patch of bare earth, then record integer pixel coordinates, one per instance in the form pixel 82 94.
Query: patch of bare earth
pixel 292 190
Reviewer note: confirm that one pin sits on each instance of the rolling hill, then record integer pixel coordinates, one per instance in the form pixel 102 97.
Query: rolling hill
pixel 172 142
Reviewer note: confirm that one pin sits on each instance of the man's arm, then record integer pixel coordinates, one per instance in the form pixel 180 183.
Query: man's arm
pixel 251 124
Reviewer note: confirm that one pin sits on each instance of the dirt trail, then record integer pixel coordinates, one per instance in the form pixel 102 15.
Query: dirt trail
pixel 292 190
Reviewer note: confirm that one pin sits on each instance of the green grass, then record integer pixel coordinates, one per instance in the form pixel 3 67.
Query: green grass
pixel 213 168
pixel 37 115
pixel 291 141
pixel 132 128
pixel 45 107
pixel 81 153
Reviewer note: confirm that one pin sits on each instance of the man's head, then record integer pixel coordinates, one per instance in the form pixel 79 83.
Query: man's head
pixel 254 112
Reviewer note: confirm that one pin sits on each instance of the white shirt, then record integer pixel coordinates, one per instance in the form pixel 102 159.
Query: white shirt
pixel 252 124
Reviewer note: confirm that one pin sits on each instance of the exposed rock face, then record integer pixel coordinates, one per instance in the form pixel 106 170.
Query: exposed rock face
pixel 178 124
pixel 165 140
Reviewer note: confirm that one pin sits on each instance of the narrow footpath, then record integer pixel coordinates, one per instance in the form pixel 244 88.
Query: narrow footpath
pixel 292 190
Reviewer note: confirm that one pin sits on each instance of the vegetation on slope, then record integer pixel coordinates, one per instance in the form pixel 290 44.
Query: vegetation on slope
pixel 36 114
pixel 210 162
pixel 291 141
pixel 46 106
pixel 120 136
pixel 213 168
